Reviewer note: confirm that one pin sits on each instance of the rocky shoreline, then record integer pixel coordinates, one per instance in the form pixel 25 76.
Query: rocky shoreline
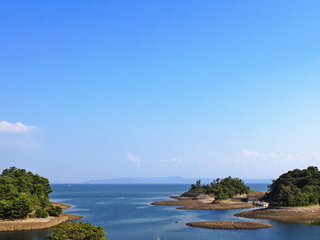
pixel 38 223
pixel 284 214
pixel 281 214
pixel 203 204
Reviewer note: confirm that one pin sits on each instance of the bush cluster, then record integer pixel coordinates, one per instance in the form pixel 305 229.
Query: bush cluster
pixel 77 231
pixel 222 189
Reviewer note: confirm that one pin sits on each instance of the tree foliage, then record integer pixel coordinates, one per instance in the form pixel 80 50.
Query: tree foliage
pixel 222 188
pixel 296 188
pixel 22 193
pixel 77 231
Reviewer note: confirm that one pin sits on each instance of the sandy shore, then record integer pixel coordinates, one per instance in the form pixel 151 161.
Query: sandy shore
pixel 230 225
pixel 285 214
pixel 38 223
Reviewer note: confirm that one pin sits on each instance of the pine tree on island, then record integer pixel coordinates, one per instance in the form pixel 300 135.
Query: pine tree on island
pixel 222 189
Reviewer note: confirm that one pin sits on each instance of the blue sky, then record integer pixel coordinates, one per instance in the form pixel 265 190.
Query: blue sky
pixel 108 89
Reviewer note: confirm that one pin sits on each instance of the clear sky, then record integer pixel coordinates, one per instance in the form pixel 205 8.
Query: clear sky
pixel 108 89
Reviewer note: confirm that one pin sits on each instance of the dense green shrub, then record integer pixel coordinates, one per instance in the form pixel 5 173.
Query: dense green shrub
pixel 222 189
pixel 41 213
pixel 55 211
pixel 77 231
pixel 17 208
pixel 295 188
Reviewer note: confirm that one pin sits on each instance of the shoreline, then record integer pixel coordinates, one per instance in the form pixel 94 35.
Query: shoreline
pixel 189 203
pixel 230 225
pixel 284 214
pixel 38 223
pixel 302 215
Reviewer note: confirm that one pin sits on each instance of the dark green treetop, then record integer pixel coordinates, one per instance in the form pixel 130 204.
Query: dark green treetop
pixel 295 188
pixel 77 231
pixel 222 188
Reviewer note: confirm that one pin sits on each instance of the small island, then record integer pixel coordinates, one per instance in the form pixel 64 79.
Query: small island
pixel 230 225
pixel 25 203
pixel 293 197
pixel 221 194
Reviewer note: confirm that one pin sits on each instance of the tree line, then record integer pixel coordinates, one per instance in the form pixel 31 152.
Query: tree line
pixel 294 188
pixel 222 189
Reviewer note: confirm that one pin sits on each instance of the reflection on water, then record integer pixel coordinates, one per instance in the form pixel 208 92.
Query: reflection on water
pixel 25 235
pixel 311 222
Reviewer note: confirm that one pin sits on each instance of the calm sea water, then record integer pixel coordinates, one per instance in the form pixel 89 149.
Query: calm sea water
pixel 126 213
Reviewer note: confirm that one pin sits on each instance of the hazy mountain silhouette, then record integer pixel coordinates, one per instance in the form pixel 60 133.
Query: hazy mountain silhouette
pixel 167 180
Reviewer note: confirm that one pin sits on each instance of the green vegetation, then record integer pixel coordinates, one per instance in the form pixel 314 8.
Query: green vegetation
pixel 24 194
pixel 77 231
pixel 295 188
pixel 222 189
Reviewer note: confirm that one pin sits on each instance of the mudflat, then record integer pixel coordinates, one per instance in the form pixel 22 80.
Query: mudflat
pixel 285 214
pixel 282 214
pixel 204 204
pixel 230 225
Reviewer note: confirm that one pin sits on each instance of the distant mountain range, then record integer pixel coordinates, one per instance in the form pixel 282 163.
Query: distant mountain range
pixel 168 180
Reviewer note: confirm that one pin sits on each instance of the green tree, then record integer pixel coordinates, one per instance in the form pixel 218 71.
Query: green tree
pixel 19 208
pixel 222 188
pixel 77 231
pixel 55 211
pixel 8 188
pixel 295 188
pixel 41 213
pixel 22 192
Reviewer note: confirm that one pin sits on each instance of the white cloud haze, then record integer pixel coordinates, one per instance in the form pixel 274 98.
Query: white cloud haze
pixel 15 127
pixel 171 160
pixel 295 156
pixel 134 159
pixel 175 160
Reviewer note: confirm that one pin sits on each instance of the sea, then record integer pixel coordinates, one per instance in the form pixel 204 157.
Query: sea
pixel 126 213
